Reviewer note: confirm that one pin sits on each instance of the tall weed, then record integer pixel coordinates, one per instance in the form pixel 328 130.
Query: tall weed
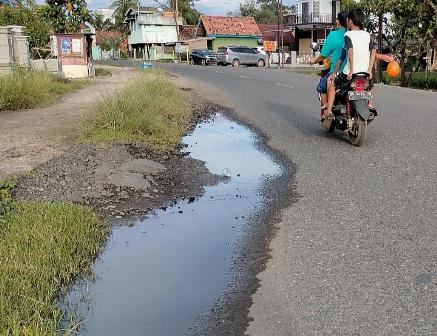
pixel 24 89
pixel 151 109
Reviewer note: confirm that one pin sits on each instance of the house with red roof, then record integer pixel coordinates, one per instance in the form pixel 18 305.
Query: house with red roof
pixel 271 32
pixel 224 31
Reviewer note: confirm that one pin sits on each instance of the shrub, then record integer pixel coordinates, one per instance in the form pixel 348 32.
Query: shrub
pixel 103 72
pixel 26 88
pixel 386 79
pixel 151 109
pixel 424 80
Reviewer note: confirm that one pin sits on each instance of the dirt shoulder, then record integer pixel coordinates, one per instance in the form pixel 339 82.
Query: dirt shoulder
pixel 122 180
pixel 32 137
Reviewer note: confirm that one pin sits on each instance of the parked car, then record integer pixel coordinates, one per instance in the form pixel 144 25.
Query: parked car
pixel 204 57
pixel 260 50
pixel 237 56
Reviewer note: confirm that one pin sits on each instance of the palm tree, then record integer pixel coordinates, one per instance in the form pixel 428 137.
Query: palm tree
pixel 100 24
pixel 121 7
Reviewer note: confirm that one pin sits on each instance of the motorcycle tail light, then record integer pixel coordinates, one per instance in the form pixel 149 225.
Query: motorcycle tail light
pixel 361 84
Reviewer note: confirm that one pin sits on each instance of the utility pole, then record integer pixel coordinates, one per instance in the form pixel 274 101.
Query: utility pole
pixel 278 33
pixel 281 57
pixel 176 16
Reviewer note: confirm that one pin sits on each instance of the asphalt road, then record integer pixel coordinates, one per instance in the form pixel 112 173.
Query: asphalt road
pixel 356 254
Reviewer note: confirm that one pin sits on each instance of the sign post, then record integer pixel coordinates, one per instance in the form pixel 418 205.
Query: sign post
pixel 269 47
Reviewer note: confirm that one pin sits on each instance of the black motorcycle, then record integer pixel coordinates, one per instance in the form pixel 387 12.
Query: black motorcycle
pixel 351 108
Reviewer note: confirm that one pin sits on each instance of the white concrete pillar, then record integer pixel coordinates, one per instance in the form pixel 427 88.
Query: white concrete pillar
pixel 5 51
pixel 20 45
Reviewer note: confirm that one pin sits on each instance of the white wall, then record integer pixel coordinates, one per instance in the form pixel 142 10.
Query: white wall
pixel 325 6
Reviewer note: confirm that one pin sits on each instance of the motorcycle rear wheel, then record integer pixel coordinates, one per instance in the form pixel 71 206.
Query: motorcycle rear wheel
pixel 357 135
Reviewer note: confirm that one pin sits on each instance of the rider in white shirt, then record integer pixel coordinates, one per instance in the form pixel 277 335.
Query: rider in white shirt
pixel 361 54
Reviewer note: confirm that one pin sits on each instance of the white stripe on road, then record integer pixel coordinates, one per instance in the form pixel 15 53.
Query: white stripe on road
pixel 221 72
pixel 283 85
pixel 246 77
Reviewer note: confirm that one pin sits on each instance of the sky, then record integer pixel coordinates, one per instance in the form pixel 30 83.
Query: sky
pixel 211 7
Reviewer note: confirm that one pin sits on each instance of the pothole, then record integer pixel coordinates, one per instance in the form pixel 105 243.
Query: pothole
pixel 158 274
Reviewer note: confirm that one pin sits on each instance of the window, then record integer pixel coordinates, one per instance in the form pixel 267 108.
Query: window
pixel 305 12
pixel 316 10
pixel 168 49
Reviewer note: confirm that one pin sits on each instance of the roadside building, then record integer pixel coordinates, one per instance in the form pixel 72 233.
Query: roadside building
pixel 152 32
pixel 270 33
pixel 229 31
pixel 188 35
pixel 109 44
pixel 314 20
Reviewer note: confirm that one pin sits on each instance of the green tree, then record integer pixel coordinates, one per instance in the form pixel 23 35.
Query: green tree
pixel 413 25
pixel 409 27
pixel 66 16
pixel 186 9
pixel 264 11
pixel 100 24
pixel 121 7
pixel 31 19
pixel 112 43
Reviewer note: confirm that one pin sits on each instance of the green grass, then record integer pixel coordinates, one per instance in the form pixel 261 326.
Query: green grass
pixel 44 247
pixel 103 72
pixel 386 79
pixel 307 71
pixel 424 80
pixel 151 110
pixel 418 80
pixel 24 89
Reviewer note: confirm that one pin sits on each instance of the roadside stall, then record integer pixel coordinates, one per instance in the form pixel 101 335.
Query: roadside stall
pixel 75 54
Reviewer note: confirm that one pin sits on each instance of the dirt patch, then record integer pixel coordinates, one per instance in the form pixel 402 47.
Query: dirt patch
pixel 125 179
pixel 31 137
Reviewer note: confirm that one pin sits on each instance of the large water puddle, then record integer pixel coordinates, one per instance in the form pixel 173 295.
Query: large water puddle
pixel 161 273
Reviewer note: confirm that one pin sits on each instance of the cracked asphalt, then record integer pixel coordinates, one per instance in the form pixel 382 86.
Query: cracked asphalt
pixel 356 254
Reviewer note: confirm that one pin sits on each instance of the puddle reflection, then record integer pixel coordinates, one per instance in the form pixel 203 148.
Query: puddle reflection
pixel 156 277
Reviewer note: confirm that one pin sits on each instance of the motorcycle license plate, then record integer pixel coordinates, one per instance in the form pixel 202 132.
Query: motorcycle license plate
pixel 355 95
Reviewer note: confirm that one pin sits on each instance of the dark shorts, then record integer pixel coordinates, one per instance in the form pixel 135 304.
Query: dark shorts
pixel 341 80
pixel 322 87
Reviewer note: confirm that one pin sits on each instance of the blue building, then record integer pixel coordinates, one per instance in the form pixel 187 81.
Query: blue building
pixel 13 3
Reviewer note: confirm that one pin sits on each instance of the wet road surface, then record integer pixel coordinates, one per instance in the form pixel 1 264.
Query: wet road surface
pixel 356 254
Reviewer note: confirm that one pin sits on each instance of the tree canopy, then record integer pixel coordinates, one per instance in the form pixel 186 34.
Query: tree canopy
pixel 121 7
pixel 186 9
pixel 67 16
pixel 31 19
pixel 264 11
pixel 99 22
pixel 409 26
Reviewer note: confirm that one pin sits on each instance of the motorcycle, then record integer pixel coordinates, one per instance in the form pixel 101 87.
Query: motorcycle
pixel 351 109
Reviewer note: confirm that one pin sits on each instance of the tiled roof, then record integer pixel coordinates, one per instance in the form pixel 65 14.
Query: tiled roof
pixel 270 31
pixel 104 35
pixel 187 32
pixel 230 25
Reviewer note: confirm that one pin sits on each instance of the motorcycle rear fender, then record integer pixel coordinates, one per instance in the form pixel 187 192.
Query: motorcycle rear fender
pixel 362 108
